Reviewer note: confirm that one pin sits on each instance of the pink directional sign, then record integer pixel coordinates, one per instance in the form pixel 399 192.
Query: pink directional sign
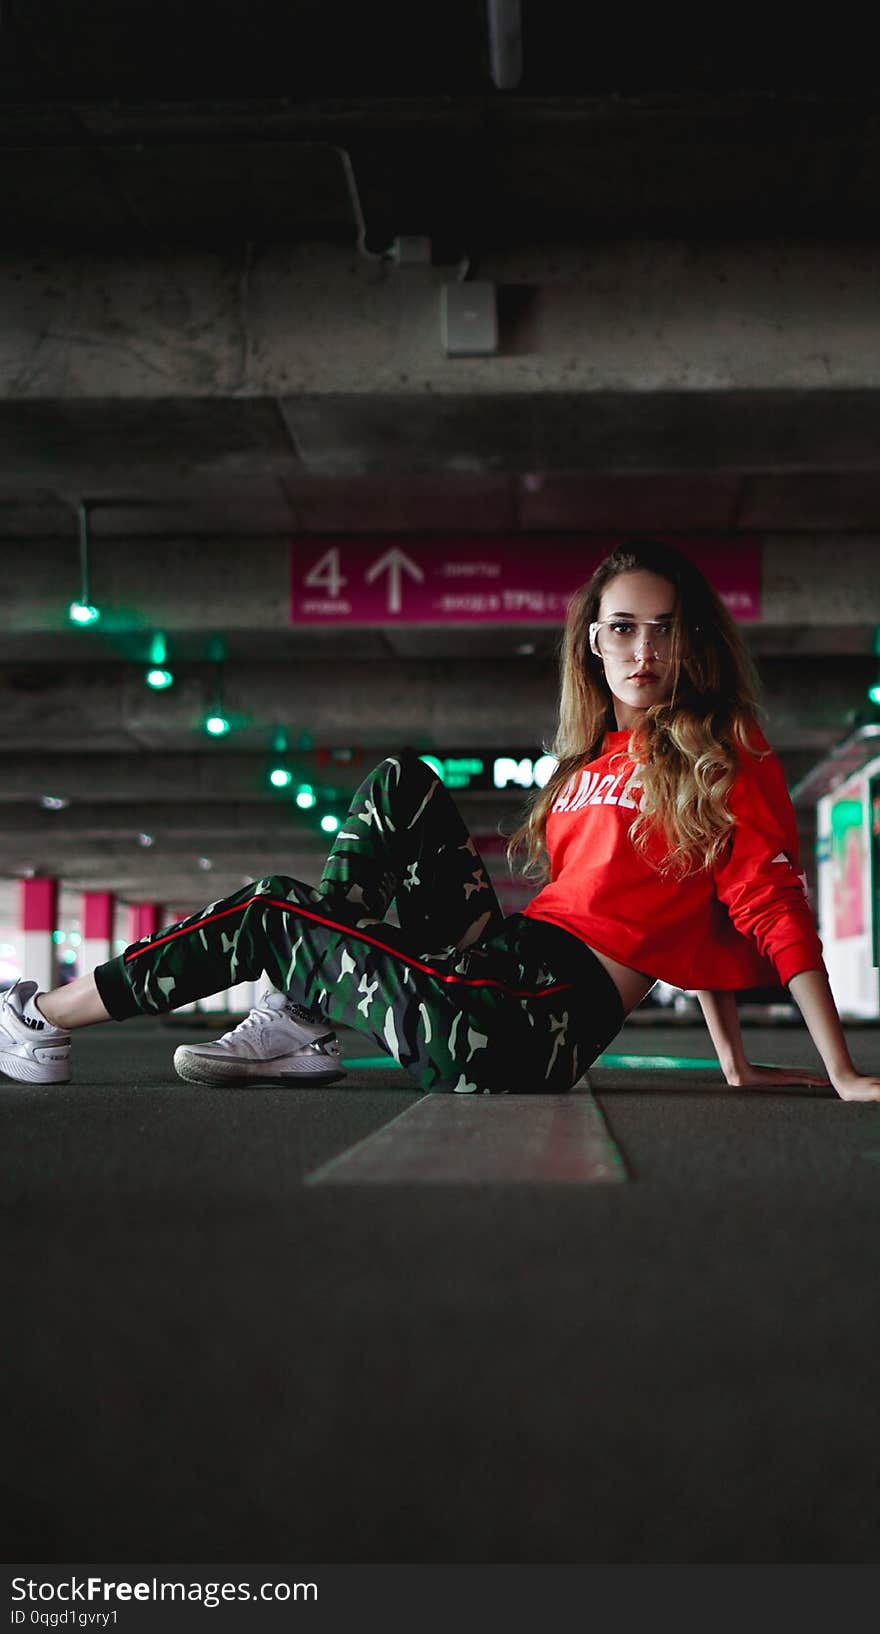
pixel 510 579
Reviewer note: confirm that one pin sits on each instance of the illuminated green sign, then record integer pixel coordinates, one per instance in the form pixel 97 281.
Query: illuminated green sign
pixel 456 771
pixel 493 769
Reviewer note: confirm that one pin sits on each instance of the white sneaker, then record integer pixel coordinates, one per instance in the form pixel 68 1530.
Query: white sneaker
pixel 33 1051
pixel 279 1042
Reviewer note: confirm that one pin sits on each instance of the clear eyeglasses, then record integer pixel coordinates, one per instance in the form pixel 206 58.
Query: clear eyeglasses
pixel 623 635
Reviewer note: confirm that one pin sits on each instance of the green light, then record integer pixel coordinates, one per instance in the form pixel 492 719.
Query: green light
pixel 159 679
pixel 874 692
pixel 458 771
pixel 659 1063
pixel 845 814
pixel 329 823
pixel 280 777
pixel 359 1061
pixel 81 612
pixel 58 936
pixel 305 796
pixel 158 649
pixel 217 725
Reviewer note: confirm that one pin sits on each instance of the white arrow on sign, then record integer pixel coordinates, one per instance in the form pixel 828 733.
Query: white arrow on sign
pixel 394 562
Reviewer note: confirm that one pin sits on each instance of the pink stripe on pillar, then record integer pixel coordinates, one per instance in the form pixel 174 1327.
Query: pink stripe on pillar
pixel 38 904
pixel 143 920
pixel 96 908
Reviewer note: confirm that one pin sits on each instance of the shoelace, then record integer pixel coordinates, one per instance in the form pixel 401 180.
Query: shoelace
pixel 249 1021
pixel 260 1014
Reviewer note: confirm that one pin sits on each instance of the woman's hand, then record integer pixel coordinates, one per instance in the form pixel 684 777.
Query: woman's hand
pixel 747 1076
pixel 812 993
pixel 854 1086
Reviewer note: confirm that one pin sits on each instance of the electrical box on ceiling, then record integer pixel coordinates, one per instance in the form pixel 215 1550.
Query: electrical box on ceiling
pixel 469 319
pixel 411 250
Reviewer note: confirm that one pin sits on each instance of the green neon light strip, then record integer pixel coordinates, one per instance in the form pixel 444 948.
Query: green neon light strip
pixel 369 1061
pixel 695 1063
pixel 663 1063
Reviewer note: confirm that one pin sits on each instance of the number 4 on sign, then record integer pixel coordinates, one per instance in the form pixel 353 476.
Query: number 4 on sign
pixel 394 563
pixel 326 574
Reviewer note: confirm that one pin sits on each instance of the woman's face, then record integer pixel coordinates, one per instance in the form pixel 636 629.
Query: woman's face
pixel 634 639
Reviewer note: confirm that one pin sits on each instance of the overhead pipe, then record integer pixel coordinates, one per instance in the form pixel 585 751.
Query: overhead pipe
pixel 504 21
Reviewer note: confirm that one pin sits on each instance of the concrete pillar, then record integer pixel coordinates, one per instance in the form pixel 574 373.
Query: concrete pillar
pixel 236 1000
pixel 214 1001
pixel 173 916
pixel 96 913
pixel 144 919
pixel 38 918
pixel 243 996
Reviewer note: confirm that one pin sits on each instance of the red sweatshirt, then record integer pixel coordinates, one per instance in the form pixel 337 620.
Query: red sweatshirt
pixel 744 923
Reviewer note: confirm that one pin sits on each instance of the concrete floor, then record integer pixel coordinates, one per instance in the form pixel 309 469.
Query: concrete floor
pixel 210 1360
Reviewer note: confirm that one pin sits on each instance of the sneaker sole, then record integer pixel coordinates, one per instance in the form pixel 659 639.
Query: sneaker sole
pixel 197 1069
pixel 30 1072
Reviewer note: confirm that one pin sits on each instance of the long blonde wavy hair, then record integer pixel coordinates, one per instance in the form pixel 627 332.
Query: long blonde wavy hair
pixel 686 746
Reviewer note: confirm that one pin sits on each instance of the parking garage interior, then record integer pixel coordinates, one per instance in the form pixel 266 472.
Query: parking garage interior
pixel 335 351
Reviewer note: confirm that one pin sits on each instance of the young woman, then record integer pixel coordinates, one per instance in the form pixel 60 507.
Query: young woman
pixel 672 854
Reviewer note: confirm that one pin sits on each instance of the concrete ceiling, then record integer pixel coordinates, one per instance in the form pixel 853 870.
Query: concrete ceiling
pixel 152 161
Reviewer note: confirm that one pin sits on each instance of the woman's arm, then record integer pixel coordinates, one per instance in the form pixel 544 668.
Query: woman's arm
pixel 759 883
pixel 722 1019
pixel 813 996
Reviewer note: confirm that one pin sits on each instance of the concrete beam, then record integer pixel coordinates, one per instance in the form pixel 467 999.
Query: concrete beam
pixel 273 821
pixel 459 502
pixel 379 707
pixel 637 317
pixel 105 449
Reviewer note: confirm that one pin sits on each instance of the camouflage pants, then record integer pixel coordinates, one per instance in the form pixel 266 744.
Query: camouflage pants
pixel 462 997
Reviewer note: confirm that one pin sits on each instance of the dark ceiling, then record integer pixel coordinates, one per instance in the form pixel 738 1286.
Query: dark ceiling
pixel 200 123
pixel 303 48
